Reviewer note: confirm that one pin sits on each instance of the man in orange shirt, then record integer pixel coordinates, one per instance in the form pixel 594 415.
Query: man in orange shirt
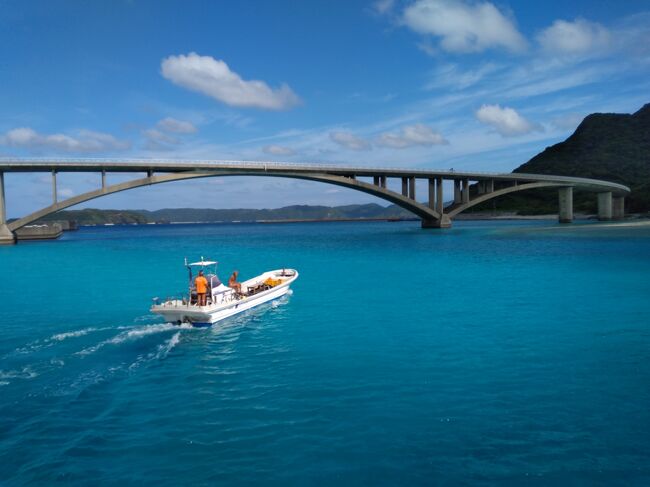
pixel 201 284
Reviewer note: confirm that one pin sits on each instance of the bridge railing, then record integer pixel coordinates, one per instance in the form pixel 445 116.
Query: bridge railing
pixel 226 163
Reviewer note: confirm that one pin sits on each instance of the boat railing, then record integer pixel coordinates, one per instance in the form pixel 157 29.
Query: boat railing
pixel 183 301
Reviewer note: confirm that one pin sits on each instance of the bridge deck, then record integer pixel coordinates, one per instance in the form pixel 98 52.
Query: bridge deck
pixel 282 168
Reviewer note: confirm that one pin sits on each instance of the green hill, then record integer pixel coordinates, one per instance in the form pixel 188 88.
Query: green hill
pixel 206 215
pixel 610 146
pixel 91 216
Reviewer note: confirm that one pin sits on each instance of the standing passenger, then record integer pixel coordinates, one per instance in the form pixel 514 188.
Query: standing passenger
pixel 201 284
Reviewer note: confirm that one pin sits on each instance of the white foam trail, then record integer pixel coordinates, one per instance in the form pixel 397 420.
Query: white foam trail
pixel 134 334
pixel 37 345
pixel 165 348
pixel 25 373
pixel 282 299
pixel 161 352
pixel 73 334
pixel 149 317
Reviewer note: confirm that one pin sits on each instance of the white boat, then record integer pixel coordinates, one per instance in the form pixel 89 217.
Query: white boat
pixel 223 301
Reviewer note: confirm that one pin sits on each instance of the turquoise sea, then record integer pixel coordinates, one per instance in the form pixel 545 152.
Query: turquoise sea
pixel 494 353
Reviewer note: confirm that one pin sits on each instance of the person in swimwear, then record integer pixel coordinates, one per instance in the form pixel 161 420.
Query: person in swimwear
pixel 232 282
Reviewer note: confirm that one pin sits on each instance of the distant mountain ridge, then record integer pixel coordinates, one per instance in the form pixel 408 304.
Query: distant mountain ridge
pixel 93 216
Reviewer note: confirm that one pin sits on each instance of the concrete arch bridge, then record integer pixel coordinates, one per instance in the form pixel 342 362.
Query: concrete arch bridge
pixel 434 213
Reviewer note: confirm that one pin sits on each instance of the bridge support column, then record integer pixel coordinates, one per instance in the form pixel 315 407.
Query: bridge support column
pixel 54 195
pixel 375 180
pixel 432 193
pixel 444 222
pixel 605 206
pixel 618 207
pixel 6 236
pixel 465 190
pixel 382 181
pixel 457 197
pixel 566 205
pixel 412 188
pixel 405 187
pixel 489 186
pixel 481 187
pixel 440 203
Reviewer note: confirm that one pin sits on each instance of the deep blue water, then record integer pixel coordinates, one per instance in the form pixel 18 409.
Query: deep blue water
pixel 491 353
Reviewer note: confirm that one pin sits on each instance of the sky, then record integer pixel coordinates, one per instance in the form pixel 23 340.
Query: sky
pixel 473 85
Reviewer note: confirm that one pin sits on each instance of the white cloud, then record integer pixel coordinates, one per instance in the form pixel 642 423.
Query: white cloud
pixel 569 121
pixel 383 6
pixel 213 77
pixel 83 141
pixel 349 141
pixel 410 136
pixel 453 77
pixel 278 150
pixel 65 192
pixel 505 120
pixel 175 126
pixel 580 37
pixel 164 134
pixel 155 135
pixel 464 27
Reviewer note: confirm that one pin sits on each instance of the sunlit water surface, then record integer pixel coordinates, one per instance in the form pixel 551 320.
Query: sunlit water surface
pixel 489 353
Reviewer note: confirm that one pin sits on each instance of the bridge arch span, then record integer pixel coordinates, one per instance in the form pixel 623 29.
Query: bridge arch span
pixel 411 205
pixel 455 209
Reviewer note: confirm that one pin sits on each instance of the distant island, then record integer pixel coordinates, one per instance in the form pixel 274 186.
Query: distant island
pixel 371 211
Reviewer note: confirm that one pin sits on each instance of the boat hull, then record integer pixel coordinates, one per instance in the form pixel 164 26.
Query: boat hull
pixel 177 312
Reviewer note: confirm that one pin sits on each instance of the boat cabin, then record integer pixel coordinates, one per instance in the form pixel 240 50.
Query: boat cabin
pixel 216 289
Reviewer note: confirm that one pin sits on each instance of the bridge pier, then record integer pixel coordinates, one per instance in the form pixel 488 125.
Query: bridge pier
pixel 54 195
pixel 566 204
pixel 618 207
pixel 465 191
pixel 444 222
pixel 605 206
pixel 405 187
pixel 436 202
pixel 457 196
pixel 6 236
pixel 412 188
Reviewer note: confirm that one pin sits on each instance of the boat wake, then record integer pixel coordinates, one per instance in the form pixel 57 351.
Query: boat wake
pixel 132 335
pixel 65 357
pixel 160 353
pixel 38 345
pixel 53 355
